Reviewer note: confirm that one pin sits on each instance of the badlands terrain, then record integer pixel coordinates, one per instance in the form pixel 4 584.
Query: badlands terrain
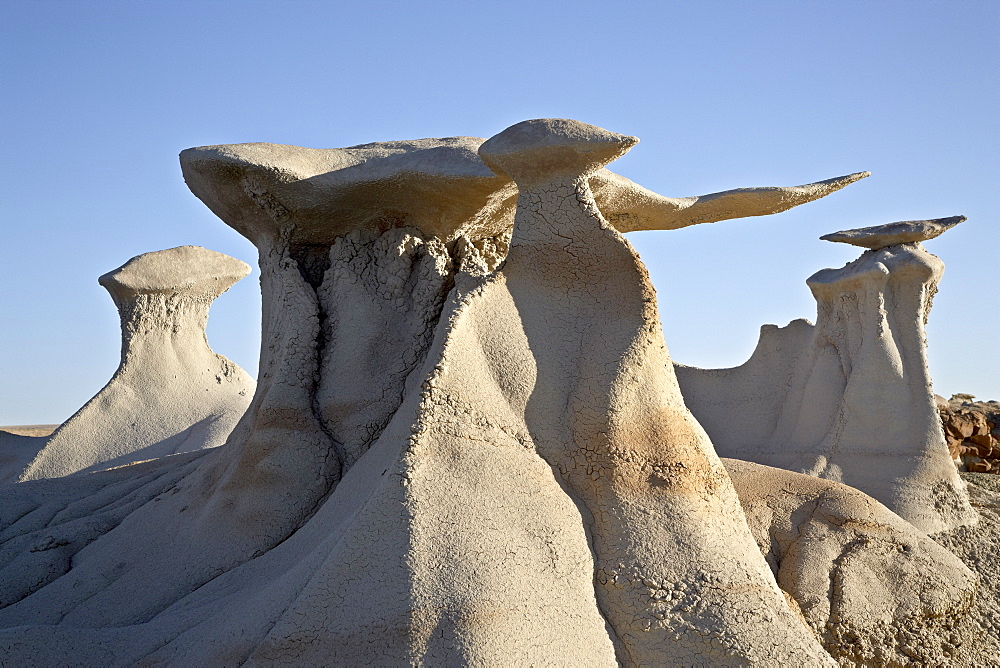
pixel 468 444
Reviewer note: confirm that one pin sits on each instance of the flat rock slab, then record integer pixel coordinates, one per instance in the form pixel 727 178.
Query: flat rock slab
pixel 438 186
pixel 892 234
pixel 185 268
pixel 435 185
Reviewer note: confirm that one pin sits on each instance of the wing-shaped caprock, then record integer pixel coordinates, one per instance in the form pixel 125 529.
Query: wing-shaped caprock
pixel 630 207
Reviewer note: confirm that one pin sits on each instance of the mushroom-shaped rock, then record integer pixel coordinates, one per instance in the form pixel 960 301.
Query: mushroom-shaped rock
pixel 850 398
pixel 678 576
pixel 439 187
pixel 438 445
pixel 893 234
pixel 874 588
pixel 370 238
pixel 171 392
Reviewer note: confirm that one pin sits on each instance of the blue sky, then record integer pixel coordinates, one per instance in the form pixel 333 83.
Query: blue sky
pixel 99 97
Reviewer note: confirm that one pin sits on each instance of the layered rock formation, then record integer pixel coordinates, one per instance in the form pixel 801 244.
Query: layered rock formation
pixel 467 446
pixel 171 392
pixel 850 398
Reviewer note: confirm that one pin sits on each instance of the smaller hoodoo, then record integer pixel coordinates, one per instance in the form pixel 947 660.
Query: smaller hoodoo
pixel 171 393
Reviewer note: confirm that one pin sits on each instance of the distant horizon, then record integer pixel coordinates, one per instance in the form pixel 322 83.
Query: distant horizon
pixel 102 96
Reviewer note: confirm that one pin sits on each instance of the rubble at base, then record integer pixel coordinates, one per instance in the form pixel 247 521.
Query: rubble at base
pixel 972 430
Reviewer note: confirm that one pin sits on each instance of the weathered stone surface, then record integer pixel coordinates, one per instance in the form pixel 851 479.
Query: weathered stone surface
pixel 16 452
pixel 978 636
pixel 171 392
pixel 873 588
pixel 850 398
pixel 892 234
pixel 467 445
pixel 972 430
pixel 439 187
pixel 605 412
pixel 629 207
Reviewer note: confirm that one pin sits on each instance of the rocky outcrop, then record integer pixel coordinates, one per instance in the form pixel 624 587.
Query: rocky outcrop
pixel 874 589
pixel 467 446
pixel 972 432
pixel 850 398
pixel 171 392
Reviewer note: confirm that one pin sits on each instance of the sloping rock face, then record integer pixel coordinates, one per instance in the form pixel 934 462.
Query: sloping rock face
pixel 171 392
pixel 850 398
pixel 978 547
pixel 467 445
pixel 873 588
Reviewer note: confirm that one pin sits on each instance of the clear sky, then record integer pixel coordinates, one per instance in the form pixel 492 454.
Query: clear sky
pixel 99 97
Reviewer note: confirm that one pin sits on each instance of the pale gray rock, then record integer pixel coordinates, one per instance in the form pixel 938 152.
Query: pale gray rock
pixel 171 392
pixel 437 186
pixel 875 589
pixel 466 440
pixel 850 398
pixel 630 208
pixel 678 577
pixel 892 234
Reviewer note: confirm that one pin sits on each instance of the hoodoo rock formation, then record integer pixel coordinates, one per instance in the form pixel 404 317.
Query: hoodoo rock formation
pixel 815 399
pixel 467 446
pixel 171 392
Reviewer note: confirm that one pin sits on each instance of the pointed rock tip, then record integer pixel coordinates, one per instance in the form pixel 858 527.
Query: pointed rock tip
pixel 892 234
pixel 851 178
pixel 547 147
pixel 175 269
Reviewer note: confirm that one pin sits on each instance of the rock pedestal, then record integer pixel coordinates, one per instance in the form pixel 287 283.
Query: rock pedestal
pixel 850 399
pixel 171 392
pixel 466 445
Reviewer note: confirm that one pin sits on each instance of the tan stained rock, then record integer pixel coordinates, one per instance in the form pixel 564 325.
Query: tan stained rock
pixel 982 440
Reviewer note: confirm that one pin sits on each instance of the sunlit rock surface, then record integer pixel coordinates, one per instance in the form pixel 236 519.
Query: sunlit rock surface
pixel 171 392
pixel 850 398
pixel 467 444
